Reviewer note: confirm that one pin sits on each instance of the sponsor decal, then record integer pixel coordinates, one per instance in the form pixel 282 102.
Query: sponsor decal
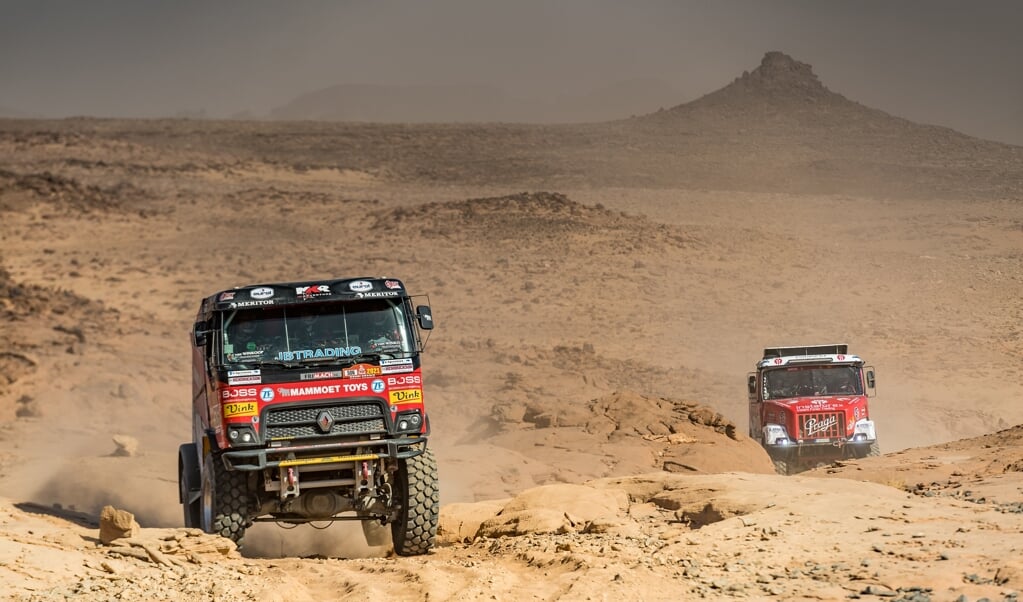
pixel 384 345
pixel 412 380
pixel 305 354
pixel 392 284
pixel 406 395
pixel 262 292
pixel 396 366
pixel 242 408
pixel 311 292
pixel 361 371
pixel 360 286
pixel 226 296
pixel 244 380
pixel 247 393
pixel 377 294
pixel 244 355
pixel 319 390
pixel 395 369
pixel 251 303
pixel 378 386
pixel 813 425
pixel 266 394
pixel 243 372
pixel 321 375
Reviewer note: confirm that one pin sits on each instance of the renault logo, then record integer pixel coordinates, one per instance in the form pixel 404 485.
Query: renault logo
pixel 324 420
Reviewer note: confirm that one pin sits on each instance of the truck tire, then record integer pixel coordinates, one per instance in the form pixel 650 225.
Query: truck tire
pixel 414 532
pixel 875 449
pixel 189 489
pixel 223 501
pixel 782 466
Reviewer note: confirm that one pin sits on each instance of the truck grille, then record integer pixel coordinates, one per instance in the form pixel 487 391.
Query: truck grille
pixel 347 419
pixel 824 425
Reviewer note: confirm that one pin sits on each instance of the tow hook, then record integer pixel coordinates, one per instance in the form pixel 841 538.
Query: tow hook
pixel 290 482
pixel 365 494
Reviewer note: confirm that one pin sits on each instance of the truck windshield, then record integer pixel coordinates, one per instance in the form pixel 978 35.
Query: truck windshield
pixel 796 381
pixel 316 332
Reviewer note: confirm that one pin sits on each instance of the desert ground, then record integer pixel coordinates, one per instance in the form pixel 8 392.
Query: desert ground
pixel 601 292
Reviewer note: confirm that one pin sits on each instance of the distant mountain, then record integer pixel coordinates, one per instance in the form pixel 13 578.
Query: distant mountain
pixel 776 128
pixel 781 89
pixel 473 103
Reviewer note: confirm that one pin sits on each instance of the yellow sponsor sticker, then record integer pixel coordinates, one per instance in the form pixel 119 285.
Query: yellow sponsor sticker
pixel 406 395
pixel 240 408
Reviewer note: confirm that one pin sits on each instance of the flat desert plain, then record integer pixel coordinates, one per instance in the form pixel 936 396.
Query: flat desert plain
pixel 601 291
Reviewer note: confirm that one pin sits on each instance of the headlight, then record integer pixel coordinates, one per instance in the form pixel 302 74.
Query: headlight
pixel 408 422
pixel 775 434
pixel 242 435
pixel 865 428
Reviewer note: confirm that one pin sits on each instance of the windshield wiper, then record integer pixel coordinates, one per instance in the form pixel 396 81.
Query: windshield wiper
pixel 344 361
pixel 278 363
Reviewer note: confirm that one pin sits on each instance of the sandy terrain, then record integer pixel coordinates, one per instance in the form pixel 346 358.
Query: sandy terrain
pixel 601 292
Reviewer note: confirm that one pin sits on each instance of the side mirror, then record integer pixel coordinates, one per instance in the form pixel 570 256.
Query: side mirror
pixel 870 379
pixel 425 317
pixel 199 334
pixel 752 383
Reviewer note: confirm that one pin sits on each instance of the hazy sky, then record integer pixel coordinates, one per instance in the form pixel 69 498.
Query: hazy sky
pixel 958 64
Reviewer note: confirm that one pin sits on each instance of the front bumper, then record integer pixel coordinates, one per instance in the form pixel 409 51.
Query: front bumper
pixel 323 453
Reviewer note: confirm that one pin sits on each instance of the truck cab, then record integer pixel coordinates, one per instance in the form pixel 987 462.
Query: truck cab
pixel 808 405
pixel 308 405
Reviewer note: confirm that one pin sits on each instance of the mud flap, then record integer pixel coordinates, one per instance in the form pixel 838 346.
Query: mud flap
pixel 188 474
pixel 189 483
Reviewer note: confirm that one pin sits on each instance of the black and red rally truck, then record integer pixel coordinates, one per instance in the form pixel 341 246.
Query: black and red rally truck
pixel 808 406
pixel 307 406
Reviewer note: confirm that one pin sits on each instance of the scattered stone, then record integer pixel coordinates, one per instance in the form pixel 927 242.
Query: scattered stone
pixel 878 590
pixel 116 524
pixel 126 445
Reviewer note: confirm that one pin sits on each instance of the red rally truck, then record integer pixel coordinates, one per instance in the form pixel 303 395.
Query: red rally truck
pixel 808 406
pixel 307 406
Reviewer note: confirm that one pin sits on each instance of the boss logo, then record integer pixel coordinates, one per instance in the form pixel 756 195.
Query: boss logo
pixel 411 379
pixel 236 393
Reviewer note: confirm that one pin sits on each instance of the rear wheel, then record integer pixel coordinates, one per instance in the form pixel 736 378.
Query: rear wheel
pixel 223 500
pixel 188 484
pixel 414 531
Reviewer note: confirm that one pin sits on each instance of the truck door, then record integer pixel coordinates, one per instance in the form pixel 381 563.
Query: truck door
pixel 755 423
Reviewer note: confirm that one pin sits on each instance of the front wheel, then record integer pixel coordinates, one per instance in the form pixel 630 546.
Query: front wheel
pixel 223 500
pixel 414 531
pixel 782 466
pixel 867 452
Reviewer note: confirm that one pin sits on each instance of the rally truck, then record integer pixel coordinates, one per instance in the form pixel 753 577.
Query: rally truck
pixel 808 406
pixel 307 407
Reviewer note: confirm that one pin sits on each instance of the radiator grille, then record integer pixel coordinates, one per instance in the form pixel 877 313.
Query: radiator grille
pixel 347 418
pixel 823 425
